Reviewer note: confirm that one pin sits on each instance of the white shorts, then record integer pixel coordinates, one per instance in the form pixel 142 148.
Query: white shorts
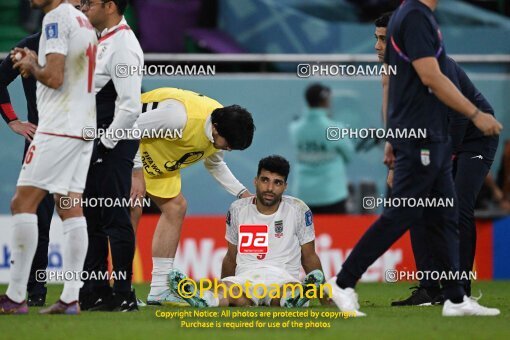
pixel 265 276
pixel 56 164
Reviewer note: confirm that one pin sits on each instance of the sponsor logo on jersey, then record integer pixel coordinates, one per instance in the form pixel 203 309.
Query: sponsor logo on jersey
pixel 51 31
pixel 278 228
pixel 228 218
pixel 253 239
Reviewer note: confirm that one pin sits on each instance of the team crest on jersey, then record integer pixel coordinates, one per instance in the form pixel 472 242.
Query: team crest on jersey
pixel 278 228
pixel 308 218
pixel 425 157
pixel 51 31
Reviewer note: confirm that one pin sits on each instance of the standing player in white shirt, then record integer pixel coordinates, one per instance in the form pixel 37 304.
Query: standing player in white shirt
pixel 58 158
pixel 118 107
pixel 283 224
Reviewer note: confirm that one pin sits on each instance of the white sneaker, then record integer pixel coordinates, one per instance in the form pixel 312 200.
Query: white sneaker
pixel 345 299
pixel 468 307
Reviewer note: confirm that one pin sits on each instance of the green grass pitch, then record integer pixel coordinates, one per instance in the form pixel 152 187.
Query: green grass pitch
pixel 382 322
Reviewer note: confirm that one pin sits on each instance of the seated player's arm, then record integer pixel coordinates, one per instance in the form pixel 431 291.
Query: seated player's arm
pixel 309 258
pixel 222 174
pixel 228 267
pixel 311 261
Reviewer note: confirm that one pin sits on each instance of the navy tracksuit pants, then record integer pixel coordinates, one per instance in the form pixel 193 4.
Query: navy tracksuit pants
pixel 422 169
pixel 469 170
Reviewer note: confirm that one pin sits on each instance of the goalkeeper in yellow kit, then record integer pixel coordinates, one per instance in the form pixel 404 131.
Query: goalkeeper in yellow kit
pixel 207 128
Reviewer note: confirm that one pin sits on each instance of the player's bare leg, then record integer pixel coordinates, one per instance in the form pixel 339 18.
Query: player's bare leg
pixel 164 246
pixel 23 244
pixel 168 230
pixel 74 227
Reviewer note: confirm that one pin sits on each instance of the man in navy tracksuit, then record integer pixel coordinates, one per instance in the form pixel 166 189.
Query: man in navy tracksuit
pixel 473 156
pixel 422 167
pixel 36 289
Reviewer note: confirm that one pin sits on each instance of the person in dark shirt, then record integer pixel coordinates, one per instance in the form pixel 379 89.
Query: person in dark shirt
pixel 473 156
pixel 7 75
pixel 36 290
pixel 418 98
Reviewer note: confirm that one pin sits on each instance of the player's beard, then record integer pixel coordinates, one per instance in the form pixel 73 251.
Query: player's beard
pixel 268 202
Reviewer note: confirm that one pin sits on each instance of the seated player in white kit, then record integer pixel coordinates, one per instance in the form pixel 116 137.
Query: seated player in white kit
pixel 270 236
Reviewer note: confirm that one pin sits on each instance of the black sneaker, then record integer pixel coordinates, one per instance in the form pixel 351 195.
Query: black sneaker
pixel 129 302
pixel 420 297
pixel 439 299
pixel 118 302
pixel 95 298
pixel 36 300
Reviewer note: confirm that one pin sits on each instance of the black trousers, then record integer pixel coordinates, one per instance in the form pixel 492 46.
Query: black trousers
pixel 40 261
pixel 422 169
pixel 110 179
pixel 470 169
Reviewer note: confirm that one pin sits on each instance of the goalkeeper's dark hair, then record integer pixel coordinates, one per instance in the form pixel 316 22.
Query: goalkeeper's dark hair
pixel 383 20
pixel 235 124
pixel 276 164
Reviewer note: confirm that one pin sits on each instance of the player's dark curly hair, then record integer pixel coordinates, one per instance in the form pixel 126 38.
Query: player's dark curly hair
pixel 383 20
pixel 276 164
pixel 235 124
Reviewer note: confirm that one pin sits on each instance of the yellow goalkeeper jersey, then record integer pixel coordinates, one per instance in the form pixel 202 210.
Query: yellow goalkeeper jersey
pixel 163 158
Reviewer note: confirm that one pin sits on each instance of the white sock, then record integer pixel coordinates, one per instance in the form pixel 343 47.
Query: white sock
pixel 23 246
pixel 161 266
pixel 76 242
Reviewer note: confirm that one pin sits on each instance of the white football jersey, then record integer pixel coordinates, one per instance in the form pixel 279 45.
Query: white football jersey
pixel 70 108
pixel 265 241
